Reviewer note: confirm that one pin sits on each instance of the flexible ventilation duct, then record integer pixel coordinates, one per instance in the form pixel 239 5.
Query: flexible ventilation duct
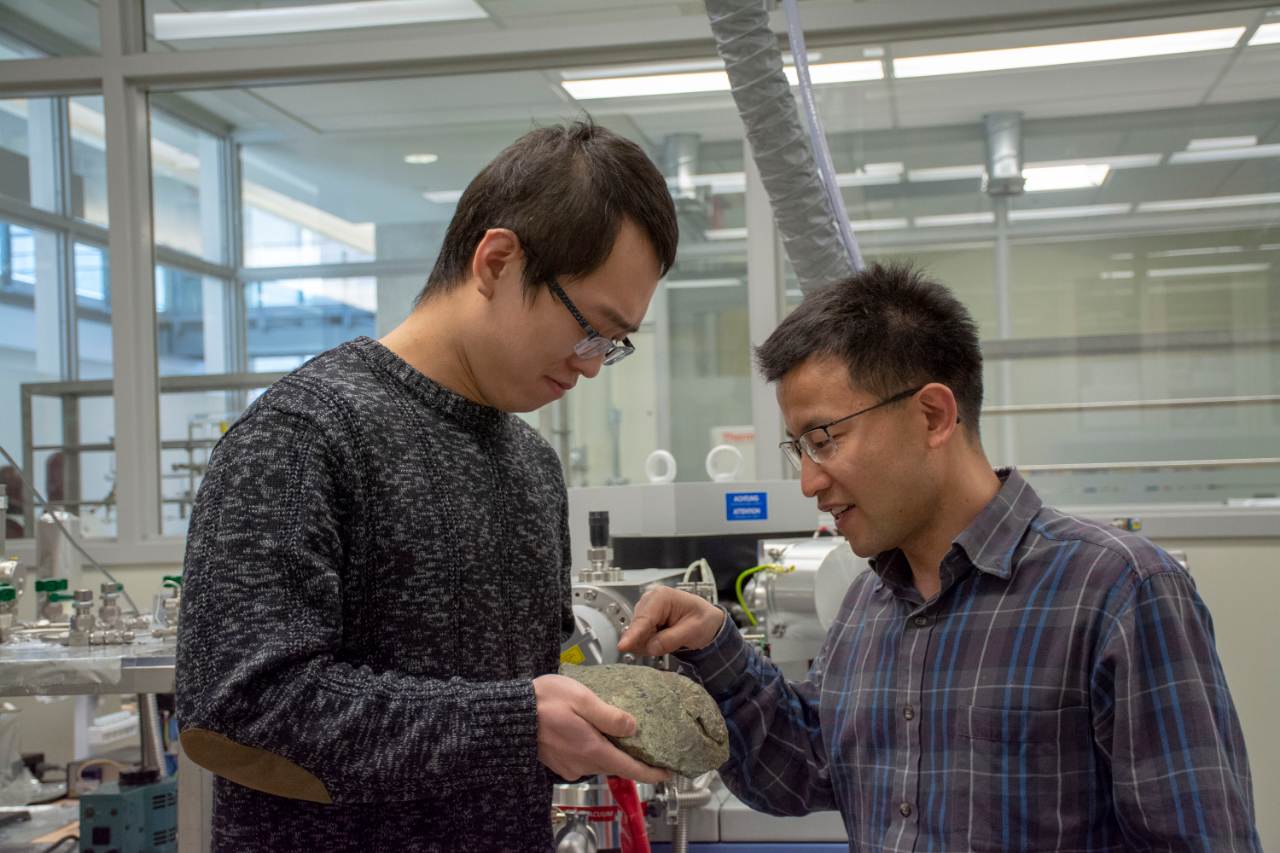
pixel 808 210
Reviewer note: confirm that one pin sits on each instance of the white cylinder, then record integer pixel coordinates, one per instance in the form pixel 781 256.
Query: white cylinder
pixel 825 567
pixel 55 555
pixel 660 467
pixel 715 471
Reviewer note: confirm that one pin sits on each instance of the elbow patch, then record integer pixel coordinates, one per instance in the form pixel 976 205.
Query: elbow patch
pixel 252 767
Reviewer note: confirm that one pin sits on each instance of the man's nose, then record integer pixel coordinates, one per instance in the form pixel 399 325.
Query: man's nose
pixel 588 367
pixel 813 478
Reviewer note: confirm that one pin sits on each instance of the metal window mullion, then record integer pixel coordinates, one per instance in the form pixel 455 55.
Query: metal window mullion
pixel 765 285
pixel 132 264
pixel 1004 326
pixel 343 269
pixel 179 260
pixel 66 247
pixel 67 313
pixel 233 213
pixel 661 312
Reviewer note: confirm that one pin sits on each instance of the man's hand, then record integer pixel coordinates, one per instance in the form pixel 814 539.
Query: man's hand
pixel 668 620
pixel 571 720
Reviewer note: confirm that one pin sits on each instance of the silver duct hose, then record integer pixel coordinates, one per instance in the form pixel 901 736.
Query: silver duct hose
pixel 680 835
pixel 808 210
pixel 149 727
pixel 817 137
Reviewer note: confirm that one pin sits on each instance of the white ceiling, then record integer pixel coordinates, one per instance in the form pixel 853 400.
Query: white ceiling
pixel 348 140
pixel 351 138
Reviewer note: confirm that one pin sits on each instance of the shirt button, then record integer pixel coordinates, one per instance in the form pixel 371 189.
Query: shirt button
pixel 921 621
pixel 905 809
pixel 909 712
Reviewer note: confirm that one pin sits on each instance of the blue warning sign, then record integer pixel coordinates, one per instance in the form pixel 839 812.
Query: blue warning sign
pixel 746 506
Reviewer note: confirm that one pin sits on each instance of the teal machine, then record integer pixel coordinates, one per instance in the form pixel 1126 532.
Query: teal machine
pixel 138 814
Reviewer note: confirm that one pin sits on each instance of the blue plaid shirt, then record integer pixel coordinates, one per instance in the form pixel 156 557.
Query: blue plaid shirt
pixel 1062 692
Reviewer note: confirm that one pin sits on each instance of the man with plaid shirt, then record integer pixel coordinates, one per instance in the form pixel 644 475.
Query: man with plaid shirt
pixel 1006 677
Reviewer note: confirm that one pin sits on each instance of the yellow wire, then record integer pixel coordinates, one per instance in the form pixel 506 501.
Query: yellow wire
pixel 767 567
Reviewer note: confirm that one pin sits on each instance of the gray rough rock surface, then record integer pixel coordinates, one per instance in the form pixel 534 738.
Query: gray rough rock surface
pixel 678 726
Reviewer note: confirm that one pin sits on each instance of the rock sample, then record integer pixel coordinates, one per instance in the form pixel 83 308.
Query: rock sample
pixel 678 726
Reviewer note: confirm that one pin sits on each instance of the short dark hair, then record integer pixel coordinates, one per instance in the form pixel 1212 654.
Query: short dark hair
pixel 564 190
pixel 893 327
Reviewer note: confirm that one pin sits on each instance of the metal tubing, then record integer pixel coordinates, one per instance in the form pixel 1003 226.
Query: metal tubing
pixel 149 728
pixel 1257 462
pixel 1110 405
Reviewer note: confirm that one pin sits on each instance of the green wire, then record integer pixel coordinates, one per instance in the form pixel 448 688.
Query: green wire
pixel 751 617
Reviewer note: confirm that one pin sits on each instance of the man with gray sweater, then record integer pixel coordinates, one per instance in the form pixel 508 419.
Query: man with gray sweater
pixel 377 569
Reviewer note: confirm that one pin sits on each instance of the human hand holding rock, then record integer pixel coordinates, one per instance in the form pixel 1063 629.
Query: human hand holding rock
pixel 572 724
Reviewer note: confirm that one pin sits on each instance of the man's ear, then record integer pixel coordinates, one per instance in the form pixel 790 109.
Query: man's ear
pixel 497 257
pixel 940 412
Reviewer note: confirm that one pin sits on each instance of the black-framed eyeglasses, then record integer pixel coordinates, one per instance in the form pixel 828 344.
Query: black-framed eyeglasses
pixel 594 345
pixel 818 443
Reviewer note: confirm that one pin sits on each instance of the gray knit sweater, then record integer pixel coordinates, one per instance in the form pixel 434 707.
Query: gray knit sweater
pixel 376 568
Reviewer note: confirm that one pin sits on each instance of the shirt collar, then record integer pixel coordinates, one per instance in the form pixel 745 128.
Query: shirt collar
pixel 989 541
pixel 992 537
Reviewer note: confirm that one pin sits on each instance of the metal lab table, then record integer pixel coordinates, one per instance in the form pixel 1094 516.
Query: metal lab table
pixel 144 666
pixel 49 669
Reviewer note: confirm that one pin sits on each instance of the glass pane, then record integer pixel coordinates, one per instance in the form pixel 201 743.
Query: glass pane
pixel 74 22
pixel 32 352
pixel 93 311
pixel 1141 255
pixel 613 422
pixel 14 48
pixel 280 231
pixel 710 358
pixel 192 323
pixel 88 160
pixel 191 422
pixel 1225 281
pixel 185 178
pixel 382 192
pixel 28 164
pixel 292 320
pixel 69 438
pixel 1155 433
pixel 97 468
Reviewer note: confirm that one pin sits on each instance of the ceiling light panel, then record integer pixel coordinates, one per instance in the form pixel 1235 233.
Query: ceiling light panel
pixel 947 219
pixel 1073 53
pixel 945 173
pixel 1177 204
pixel 649 85
pixel 1079 212
pixel 1117 161
pixel 872 174
pixel 1266 34
pixel 1074 177
pixel 443 196
pixel 1221 269
pixel 174 26
pixel 976 171
pixel 674 67
pixel 1218 155
pixel 877 224
pixel 1221 142
pixel 726 233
